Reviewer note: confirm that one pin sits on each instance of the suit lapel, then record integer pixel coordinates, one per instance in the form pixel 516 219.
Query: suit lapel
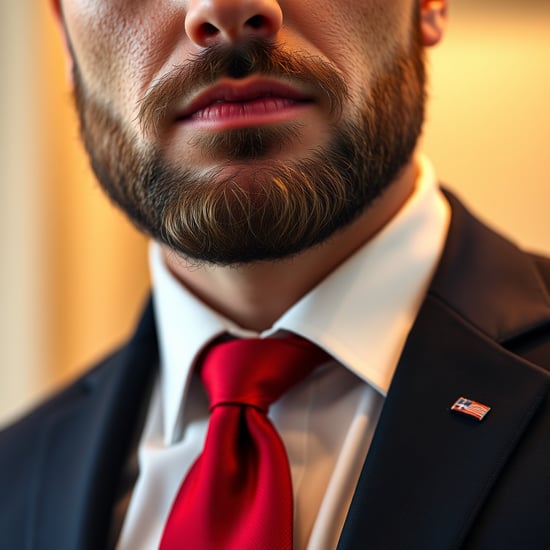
pixel 429 470
pixel 85 447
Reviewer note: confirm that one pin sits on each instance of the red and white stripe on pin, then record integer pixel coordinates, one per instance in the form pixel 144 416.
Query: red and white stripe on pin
pixel 470 407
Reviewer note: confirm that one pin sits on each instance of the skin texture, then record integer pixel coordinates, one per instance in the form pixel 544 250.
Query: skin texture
pixel 124 49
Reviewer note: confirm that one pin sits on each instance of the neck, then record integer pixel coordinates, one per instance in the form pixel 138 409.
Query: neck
pixel 255 295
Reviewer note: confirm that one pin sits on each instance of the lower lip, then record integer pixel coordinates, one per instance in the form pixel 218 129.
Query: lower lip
pixel 257 112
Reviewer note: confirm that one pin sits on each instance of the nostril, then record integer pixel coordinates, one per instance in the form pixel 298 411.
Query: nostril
pixel 210 22
pixel 208 30
pixel 257 22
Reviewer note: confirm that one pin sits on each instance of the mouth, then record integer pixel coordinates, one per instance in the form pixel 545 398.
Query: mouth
pixel 231 104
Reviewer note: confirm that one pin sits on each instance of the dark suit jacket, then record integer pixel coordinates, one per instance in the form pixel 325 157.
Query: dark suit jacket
pixel 433 479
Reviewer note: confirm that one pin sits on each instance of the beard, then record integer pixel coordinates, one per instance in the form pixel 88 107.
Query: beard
pixel 254 207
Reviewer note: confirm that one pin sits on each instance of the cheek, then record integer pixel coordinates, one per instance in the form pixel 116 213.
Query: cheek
pixel 120 47
pixel 359 36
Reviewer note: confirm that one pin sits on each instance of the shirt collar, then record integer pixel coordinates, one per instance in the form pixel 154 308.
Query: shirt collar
pixel 361 313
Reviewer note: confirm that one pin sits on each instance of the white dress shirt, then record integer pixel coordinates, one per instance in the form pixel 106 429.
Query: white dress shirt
pixel 360 314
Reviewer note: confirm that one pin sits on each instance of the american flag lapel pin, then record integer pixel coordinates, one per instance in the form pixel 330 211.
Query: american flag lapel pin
pixel 469 407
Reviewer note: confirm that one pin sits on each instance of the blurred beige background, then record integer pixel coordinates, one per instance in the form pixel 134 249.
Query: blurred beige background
pixel 74 273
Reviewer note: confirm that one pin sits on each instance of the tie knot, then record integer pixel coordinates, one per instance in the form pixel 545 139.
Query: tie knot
pixel 256 372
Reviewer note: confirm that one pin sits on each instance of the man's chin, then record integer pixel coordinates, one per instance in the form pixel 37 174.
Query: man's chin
pixel 235 146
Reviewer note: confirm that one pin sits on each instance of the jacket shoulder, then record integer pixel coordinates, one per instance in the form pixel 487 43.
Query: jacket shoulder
pixel 535 344
pixel 43 411
pixel 24 432
pixel 20 451
pixel 542 264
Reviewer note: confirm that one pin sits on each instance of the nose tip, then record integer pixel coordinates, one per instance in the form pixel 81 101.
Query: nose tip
pixel 210 22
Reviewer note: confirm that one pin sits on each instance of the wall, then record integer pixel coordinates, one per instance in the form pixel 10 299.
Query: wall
pixel 22 288
pixel 488 128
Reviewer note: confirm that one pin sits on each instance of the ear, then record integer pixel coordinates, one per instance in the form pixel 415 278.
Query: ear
pixel 56 8
pixel 58 14
pixel 433 19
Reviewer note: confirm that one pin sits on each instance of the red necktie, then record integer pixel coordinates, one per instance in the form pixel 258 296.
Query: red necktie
pixel 238 494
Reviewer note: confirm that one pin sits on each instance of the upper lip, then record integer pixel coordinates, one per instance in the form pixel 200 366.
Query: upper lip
pixel 232 91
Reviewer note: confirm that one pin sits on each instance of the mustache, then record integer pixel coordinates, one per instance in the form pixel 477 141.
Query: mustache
pixel 238 62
